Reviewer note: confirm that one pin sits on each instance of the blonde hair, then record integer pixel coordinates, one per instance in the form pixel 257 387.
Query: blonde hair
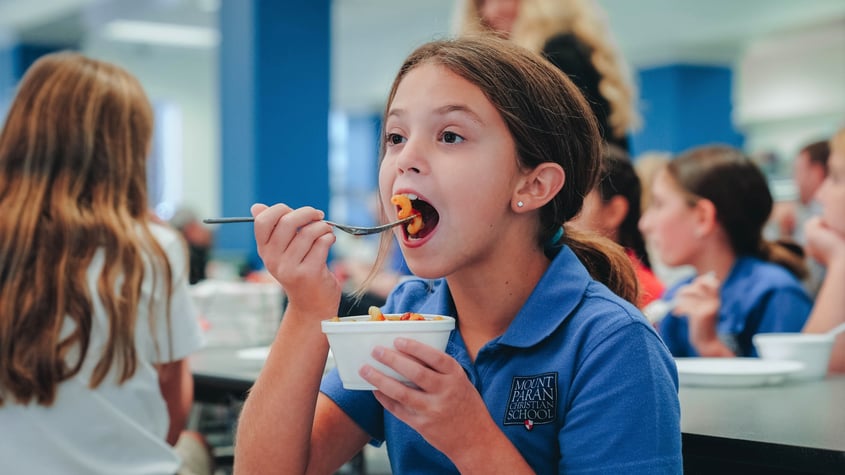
pixel 72 183
pixel 647 165
pixel 540 20
pixel 837 142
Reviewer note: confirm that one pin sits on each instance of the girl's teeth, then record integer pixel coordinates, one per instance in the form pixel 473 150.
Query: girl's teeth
pixel 412 196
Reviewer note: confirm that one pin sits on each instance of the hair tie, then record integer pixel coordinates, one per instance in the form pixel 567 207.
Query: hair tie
pixel 554 240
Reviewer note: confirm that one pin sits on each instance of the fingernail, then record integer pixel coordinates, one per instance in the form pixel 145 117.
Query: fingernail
pixel 365 370
pixel 378 351
pixel 400 343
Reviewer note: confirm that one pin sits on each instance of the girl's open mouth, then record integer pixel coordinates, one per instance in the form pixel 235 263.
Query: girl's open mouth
pixel 428 217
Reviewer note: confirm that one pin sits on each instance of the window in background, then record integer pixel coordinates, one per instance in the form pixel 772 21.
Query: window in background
pixel 353 167
pixel 164 167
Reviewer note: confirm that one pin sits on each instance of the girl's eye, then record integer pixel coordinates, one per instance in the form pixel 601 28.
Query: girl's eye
pixel 451 137
pixel 395 139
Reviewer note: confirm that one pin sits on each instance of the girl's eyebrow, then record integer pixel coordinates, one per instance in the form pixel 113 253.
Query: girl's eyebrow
pixel 443 110
pixel 460 108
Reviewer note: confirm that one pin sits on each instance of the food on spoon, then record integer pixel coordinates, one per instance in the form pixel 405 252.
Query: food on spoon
pixel 406 210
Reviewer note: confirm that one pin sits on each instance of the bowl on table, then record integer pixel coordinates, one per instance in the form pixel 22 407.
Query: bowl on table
pixel 811 349
pixel 352 340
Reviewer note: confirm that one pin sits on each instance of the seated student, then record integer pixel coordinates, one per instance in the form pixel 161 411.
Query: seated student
pixel 96 321
pixel 548 370
pixel 612 209
pixel 708 208
pixel 825 242
pixel 199 239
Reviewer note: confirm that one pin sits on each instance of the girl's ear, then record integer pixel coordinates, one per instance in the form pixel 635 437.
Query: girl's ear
pixel 614 212
pixel 538 187
pixel 706 217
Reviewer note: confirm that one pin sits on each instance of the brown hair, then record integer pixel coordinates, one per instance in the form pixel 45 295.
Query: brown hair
pixel 550 121
pixel 618 178
pixel 740 193
pixel 72 183
pixel 818 152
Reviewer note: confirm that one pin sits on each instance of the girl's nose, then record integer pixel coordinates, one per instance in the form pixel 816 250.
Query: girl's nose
pixel 412 158
pixel 643 224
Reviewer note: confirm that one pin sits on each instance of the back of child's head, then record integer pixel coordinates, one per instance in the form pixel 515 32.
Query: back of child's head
pixel 549 121
pixel 618 178
pixel 740 194
pixel 85 126
pixel 72 181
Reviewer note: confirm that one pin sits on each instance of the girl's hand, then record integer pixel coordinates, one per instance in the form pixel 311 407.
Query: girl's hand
pixel 443 395
pixel 700 302
pixel 294 245
pixel 823 244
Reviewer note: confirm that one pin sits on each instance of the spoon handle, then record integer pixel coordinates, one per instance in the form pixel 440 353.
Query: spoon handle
pixel 837 329
pixel 237 219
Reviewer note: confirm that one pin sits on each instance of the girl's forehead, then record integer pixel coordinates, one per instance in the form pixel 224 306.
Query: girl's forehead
pixel 432 77
pixel 666 184
pixel 433 86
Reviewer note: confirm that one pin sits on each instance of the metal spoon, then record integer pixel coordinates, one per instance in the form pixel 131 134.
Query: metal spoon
pixel 354 230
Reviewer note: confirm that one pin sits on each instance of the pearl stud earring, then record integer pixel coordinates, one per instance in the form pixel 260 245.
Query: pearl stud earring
pixel 520 204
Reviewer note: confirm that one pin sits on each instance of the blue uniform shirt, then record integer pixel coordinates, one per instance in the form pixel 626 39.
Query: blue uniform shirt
pixel 579 382
pixel 757 297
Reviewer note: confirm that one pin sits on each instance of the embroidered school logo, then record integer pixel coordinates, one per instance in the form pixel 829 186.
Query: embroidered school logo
pixel 532 400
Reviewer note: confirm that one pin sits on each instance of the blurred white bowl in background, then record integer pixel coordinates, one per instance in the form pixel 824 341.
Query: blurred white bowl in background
pixel 809 348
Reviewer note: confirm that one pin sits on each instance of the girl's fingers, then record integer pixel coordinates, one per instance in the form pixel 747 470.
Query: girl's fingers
pixel 382 381
pixel 299 230
pixel 319 252
pixel 257 208
pixel 431 357
pixel 420 363
pixel 266 220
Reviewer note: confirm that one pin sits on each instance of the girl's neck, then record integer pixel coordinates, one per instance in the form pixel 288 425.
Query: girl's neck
pixel 717 257
pixel 487 299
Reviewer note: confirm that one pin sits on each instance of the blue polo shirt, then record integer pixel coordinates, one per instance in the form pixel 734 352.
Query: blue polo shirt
pixel 757 297
pixel 579 382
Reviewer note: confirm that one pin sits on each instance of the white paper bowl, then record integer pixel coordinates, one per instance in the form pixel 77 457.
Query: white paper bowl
pixel 352 340
pixel 811 349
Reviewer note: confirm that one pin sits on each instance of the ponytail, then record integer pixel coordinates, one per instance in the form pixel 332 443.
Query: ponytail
pixel 606 262
pixel 783 255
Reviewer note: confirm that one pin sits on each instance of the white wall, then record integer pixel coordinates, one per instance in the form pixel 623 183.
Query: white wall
pixel 187 78
pixel 790 89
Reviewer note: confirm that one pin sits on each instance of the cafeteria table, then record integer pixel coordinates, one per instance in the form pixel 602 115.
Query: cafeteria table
pixel 786 429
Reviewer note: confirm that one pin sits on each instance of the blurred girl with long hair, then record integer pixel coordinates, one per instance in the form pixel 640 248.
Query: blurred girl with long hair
pixel 95 317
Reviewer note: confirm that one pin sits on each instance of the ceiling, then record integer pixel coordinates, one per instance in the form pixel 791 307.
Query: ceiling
pixel 371 37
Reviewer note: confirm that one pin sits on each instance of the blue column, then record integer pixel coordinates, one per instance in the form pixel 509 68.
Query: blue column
pixel 274 82
pixel 684 106
pixel 8 60
pixel 29 53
